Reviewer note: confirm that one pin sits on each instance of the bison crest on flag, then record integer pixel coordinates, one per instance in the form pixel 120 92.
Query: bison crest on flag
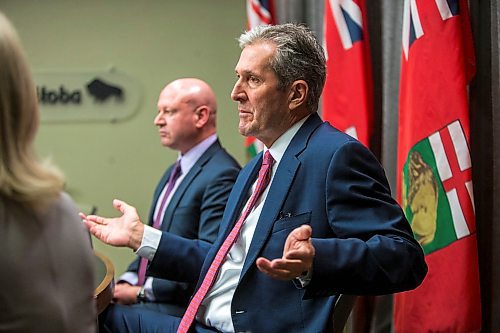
pixel 437 188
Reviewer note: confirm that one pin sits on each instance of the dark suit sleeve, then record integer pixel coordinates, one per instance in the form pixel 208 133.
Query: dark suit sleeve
pixel 178 258
pixel 374 251
pixel 167 291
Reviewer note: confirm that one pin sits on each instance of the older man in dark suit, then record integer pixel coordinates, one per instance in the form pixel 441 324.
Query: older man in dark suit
pixel 308 219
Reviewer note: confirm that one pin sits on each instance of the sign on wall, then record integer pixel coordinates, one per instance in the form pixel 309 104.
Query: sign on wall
pixel 86 96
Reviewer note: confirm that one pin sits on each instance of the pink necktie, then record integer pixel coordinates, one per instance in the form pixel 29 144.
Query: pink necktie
pixel 174 175
pixel 208 280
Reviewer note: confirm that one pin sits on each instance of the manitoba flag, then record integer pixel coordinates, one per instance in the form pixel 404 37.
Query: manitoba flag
pixel 259 12
pixel 435 185
pixel 347 95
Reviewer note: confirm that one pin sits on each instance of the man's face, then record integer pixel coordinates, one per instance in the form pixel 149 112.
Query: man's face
pixel 263 109
pixel 176 119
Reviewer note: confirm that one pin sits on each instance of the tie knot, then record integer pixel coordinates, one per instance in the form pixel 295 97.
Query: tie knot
pixel 268 159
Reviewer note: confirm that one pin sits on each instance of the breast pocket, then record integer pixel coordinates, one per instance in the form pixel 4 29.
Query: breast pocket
pixel 281 230
pixel 292 222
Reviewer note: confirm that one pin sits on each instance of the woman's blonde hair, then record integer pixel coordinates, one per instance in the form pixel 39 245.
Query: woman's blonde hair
pixel 23 178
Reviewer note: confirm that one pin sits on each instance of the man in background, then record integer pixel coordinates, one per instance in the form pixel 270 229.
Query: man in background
pixel 190 198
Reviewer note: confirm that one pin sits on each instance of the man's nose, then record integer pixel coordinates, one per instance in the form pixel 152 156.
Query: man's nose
pixel 237 94
pixel 159 120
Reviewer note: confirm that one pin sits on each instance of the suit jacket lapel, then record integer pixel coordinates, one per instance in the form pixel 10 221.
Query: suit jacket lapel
pixel 275 197
pixel 188 179
pixel 239 196
pixel 279 189
pixel 243 185
pixel 159 188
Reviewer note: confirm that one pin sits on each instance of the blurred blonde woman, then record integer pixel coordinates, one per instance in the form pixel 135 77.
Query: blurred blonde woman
pixel 46 277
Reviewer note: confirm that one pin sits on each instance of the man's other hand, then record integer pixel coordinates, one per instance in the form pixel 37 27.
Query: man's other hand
pixel 126 230
pixel 297 258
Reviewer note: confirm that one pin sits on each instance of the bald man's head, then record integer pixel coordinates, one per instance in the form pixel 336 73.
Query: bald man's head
pixel 186 113
pixel 195 91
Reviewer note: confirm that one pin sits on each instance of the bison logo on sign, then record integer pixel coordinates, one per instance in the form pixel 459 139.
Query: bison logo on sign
pixel 102 91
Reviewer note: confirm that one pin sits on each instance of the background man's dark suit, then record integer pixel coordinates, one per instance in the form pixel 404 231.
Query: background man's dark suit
pixel 194 212
pixel 340 190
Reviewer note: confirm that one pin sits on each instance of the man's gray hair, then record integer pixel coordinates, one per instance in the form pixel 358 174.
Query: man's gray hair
pixel 299 56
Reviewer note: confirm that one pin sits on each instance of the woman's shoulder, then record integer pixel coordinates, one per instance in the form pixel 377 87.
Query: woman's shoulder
pixel 64 204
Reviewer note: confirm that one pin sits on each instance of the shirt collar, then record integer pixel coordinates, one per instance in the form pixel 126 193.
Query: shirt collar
pixel 279 146
pixel 193 154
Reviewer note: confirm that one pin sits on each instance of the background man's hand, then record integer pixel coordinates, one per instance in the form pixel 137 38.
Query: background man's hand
pixel 298 256
pixel 126 230
pixel 125 293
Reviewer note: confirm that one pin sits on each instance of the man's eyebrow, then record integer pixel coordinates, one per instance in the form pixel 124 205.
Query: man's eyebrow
pixel 246 72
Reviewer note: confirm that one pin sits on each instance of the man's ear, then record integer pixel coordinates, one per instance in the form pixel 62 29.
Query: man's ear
pixel 298 94
pixel 201 114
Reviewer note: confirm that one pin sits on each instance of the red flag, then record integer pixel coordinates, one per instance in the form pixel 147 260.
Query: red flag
pixel 434 167
pixel 348 92
pixel 259 12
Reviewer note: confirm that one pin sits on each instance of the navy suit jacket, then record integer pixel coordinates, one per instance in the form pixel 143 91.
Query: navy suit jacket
pixel 364 244
pixel 194 212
